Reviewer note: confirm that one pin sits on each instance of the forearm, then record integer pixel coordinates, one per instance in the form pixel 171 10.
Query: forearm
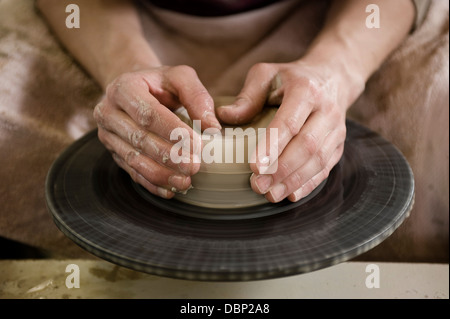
pixel 109 41
pixel 347 46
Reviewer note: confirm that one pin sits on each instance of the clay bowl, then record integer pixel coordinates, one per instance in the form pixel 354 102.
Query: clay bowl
pixel 223 181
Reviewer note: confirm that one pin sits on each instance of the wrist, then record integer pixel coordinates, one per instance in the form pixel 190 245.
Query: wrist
pixel 341 72
pixel 138 55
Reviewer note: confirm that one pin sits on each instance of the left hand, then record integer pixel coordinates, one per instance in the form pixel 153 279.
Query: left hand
pixel 310 123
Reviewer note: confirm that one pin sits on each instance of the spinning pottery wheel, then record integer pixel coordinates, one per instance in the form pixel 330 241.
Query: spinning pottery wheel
pixel 367 195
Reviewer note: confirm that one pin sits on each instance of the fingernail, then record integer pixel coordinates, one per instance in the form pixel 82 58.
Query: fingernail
pixel 278 191
pixel 263 164
pixel 230 106
pixel 298 194
pixel 263 183
pixel 162 192
pixel 212 120
pixel 176 181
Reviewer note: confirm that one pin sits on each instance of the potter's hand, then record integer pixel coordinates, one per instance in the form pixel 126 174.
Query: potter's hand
pixel 310 124
pixel 135 121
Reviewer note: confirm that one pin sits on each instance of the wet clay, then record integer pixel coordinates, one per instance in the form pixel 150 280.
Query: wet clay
pixel 224 182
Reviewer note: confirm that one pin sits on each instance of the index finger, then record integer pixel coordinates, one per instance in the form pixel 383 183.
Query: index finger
pixel 133 98
pixel 136 100
pixel 183 82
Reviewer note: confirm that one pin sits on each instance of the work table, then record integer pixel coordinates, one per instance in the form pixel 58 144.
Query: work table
pixel 99 279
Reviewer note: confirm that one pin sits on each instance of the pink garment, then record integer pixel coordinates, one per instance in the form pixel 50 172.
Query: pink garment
pixel 211 8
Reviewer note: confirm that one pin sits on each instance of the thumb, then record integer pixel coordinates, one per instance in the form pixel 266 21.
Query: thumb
pixel 249 102
pixel 242 111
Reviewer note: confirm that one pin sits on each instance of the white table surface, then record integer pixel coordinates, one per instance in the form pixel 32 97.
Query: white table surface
pixel 46 278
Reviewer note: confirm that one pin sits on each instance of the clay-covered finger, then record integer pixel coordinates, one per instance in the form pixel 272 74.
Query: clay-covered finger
pixel 312 184
pixel 252 98
pixel 132 95
pixel 304 180
pixel 315 142
pixel 287 123
pixel 148 143
pixel 184 83
pixel 149 169
pixel 138 178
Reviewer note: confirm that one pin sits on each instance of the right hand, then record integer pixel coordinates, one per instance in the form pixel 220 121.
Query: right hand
pixel 135 119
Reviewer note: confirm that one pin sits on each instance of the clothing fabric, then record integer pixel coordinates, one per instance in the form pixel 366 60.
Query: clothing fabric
pixel 211 8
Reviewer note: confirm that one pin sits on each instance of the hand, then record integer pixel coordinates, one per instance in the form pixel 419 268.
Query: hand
pixel 135 121
pixel 310 123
